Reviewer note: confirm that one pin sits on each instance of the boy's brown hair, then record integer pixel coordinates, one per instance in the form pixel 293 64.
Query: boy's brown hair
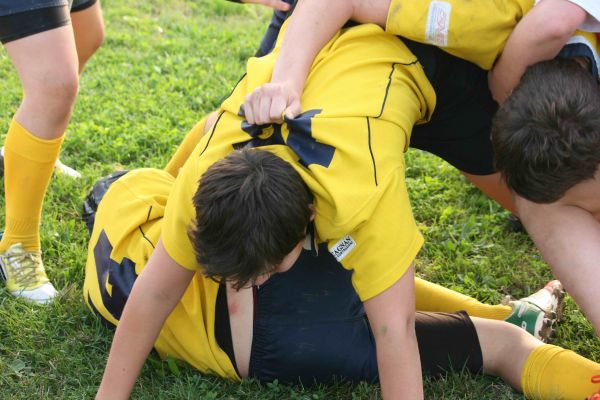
pixel 252 209
pixel 546 136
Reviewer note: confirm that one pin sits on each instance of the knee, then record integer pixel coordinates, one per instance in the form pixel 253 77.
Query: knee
pixel 55 93
pixel 96 39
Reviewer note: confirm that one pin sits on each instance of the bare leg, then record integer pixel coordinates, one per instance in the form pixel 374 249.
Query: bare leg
pixel 504 348
pixel 88 28
pixel 48 69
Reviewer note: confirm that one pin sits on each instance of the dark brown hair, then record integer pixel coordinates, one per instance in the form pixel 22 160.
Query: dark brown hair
pixel 252 209
pixel 546 136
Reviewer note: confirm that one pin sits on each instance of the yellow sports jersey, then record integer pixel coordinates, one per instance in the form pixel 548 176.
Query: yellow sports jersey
pixel 472 30
pixel 127 227
pixel 364 93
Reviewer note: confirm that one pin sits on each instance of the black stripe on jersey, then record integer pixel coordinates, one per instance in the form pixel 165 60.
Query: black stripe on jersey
pixel 105 322
pixel 212 132
pixel 387 88
pixel 121 276
pixel 371 151
pixel 142 231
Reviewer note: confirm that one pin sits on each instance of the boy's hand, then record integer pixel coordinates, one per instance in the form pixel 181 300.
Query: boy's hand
pixel 500 88
pixel 270 102
pixel 275 4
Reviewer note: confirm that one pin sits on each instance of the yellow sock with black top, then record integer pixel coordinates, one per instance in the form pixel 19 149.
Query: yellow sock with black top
pixel 551 372
pixel 436 298
pixel 28 165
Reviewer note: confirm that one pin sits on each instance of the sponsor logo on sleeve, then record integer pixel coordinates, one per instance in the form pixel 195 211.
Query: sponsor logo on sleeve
pixel 438 22
pixel 343 247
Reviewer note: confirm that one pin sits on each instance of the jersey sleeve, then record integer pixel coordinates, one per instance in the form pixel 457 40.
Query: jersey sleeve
pixel 180 216
pixel 472 30
pixel 382 248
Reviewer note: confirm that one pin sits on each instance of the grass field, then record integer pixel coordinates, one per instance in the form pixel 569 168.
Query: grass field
pixel 163 65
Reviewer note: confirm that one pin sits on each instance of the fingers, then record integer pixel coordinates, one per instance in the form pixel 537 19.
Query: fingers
pixel 268 103
pixel 275 4
pixel 278 5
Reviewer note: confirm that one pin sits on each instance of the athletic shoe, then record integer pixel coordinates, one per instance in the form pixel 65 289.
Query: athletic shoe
pixel 539 313
pixel 551 298
pixel 59 167
pixel 25 276
pixel 95 195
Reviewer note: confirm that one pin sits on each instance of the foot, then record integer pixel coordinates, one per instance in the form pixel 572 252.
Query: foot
pixel 539 313
pixel 24 274
pixel 59 167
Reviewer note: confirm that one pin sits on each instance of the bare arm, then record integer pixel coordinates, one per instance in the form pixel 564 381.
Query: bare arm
pixel 537 37
pixel 569 239
pixel 275 4
pixel 311 26
pixel 392 319
pixel 155 293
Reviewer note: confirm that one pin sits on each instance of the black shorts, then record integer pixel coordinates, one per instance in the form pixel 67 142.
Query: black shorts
pixel 19 19
pixel 459 130
pixel 310 326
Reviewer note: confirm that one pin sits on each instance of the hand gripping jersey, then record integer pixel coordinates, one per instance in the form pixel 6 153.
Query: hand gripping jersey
pixel 364 93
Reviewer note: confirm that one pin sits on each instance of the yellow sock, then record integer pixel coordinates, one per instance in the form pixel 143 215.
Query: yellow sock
pixel 551 372
pixel 186 147
pixel 28 165
pixel 435 298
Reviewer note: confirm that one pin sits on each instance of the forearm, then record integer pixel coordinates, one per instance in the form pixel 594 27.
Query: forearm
pixel 539 36
pixel 311 26
pixel 154 295
pixel 134 338
pixel 399 364
pixel 392 319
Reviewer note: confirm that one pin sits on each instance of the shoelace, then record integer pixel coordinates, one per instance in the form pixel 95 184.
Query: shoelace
pixel 22 268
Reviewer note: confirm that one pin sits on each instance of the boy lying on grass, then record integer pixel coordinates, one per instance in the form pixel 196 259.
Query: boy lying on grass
pixel 362 100
pixel 564 221
pixel 302 321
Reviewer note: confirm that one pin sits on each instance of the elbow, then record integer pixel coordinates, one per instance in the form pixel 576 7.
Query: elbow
pixel 561 20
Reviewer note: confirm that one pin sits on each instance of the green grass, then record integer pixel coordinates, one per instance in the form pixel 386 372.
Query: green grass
pixel 163 65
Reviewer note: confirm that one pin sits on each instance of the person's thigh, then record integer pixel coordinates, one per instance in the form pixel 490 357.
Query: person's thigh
pixel 88 28
pixel 127 226
pixel 46 63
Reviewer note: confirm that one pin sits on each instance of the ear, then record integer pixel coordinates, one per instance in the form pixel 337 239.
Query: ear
pixel 311 207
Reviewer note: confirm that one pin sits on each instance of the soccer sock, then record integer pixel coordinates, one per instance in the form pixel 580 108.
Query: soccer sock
pixel 186 147
pixel 435 298
pixel 551 372
pixel 28 165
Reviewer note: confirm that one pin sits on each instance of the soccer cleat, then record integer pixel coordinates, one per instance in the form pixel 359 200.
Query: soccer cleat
pixel 538 313
pixel 95 195
pixel 25 276
pixel 59 167
pixel 550 298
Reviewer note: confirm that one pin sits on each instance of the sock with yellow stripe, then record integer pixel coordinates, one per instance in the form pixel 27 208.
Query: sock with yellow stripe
pixel 186 147
pixel 28 165
pixel 551 372
pixel 436 298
